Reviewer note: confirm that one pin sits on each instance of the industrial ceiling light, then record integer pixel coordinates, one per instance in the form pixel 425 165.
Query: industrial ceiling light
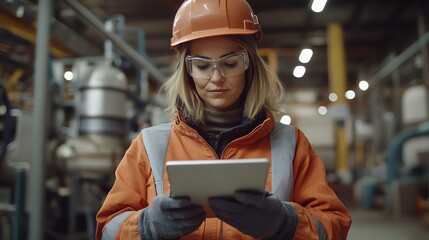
pixel 322 110
pixel 299 71
pixel 318 5
pixel 305 55
pixel 68 75
pixel 363 85
pixel 20 12
pixel 350 94
pixel 333 97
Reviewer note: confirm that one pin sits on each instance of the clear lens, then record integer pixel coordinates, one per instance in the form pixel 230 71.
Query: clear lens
pixel 228 66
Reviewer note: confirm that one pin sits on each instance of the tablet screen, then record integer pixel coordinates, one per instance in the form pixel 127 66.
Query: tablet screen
pixel 201 179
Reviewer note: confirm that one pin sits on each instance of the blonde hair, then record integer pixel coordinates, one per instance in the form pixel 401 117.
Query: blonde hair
pixel 264 93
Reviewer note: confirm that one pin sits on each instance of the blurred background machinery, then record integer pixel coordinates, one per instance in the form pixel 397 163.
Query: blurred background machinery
pixel 89 157
pixel 93 112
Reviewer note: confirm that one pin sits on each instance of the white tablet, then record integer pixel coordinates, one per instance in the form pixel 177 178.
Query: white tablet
pixel 201 179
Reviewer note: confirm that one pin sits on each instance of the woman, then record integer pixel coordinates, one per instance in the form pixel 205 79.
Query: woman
pixel 222 96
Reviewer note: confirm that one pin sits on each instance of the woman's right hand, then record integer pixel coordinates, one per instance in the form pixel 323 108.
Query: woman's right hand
pixel 171 218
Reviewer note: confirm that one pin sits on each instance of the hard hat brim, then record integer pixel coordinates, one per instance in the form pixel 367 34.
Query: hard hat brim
pixel 176 42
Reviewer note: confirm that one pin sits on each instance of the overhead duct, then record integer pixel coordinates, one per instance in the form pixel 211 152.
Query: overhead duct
pixel 66 41
pixel 128 51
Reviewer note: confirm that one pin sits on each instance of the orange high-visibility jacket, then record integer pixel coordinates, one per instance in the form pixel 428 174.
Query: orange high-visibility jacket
pixel 311 197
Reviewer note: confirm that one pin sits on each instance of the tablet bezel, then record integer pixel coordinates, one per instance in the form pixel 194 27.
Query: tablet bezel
pixel 202 179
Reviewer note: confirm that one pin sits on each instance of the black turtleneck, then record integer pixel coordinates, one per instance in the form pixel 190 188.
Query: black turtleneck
pixel 224 126
pixel 218 121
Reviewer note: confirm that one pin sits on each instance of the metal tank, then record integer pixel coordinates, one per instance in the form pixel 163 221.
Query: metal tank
pixel 102 124
pixel 102 103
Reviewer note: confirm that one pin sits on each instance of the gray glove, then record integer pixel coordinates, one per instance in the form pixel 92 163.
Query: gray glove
pixel 259 215
pixel 170 218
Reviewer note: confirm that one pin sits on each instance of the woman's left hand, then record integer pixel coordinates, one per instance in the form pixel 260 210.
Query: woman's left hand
pixel 259 215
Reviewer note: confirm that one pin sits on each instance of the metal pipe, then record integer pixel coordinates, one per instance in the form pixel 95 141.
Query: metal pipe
pixel 119 43
pixel 7 122
pixel 20 187
pixel 397 101
pixel 39 122
pixel 398 61
pixel 421 26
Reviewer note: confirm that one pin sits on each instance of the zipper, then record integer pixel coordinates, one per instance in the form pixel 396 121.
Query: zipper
pixel 257 128
pixel 196 135
pixel 221 230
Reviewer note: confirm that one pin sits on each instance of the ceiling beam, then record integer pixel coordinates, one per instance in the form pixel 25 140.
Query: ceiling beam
pixel 28 33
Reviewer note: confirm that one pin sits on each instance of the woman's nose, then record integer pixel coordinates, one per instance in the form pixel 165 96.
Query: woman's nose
pixel 216 75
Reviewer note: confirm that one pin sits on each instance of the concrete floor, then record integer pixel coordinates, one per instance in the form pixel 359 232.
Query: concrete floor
pixel 378 225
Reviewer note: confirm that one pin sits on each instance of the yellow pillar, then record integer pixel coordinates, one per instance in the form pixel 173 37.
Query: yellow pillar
pixel 337 85
pixel 270 56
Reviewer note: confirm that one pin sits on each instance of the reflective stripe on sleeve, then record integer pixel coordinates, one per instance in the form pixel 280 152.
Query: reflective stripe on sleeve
pixel 320 229
pixel 112 226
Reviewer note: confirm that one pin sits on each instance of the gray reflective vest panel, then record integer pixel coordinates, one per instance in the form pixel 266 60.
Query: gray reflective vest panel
pixel 155 140
pixel 283 141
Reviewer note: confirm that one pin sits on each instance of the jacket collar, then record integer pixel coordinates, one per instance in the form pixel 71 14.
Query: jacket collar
pixel 180 125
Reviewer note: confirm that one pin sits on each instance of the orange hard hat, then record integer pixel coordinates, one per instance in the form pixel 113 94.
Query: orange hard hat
pixel 205 18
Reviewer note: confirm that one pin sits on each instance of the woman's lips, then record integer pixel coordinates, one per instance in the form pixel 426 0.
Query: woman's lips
pixel 218 91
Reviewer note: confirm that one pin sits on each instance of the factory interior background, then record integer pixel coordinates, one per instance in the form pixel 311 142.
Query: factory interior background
pixel 80 78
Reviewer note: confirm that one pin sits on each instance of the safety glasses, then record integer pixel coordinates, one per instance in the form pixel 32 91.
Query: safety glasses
pixel 229 66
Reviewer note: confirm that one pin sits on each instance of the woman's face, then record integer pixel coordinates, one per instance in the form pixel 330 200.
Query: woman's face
pixel 220 83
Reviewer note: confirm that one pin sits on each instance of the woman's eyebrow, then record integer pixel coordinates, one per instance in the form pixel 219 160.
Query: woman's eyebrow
pixel 201 56
pixel 227 54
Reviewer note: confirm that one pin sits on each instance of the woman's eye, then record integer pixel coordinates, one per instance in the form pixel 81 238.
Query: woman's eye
pixel 230 64
pixel 203 67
